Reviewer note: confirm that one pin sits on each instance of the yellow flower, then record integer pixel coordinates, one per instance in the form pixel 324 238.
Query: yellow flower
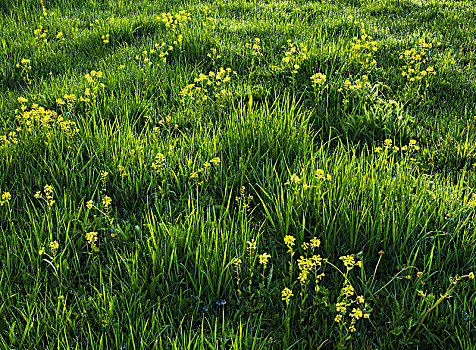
pixel 215 161
pixel 22 100
pixel 90 204
pixel 106 202
pixel 92 238
pixel 286 295
pixel 263 258
pixel 319 174
pixel 356 313
pixel 471 275
pixel 6 196
pixel 338 318
pixel 41 251
pixel 54 246
pixel 293 180
pixel 251 245
pixel 290 242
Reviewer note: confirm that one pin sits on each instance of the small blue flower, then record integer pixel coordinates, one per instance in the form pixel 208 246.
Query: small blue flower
pixel 66 113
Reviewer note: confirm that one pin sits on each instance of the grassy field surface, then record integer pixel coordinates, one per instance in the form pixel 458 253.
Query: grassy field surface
pixel 237 174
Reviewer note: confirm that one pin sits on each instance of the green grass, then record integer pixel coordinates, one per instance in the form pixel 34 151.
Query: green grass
pixel 205 179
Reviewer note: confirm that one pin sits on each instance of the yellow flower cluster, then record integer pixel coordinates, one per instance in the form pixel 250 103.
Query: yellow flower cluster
pixel 40 34
pixel 350 261
pixel 9 139
pixel 203 172
pixel 92 238
pixel 174 20
pixel 93 80
pixel 286 295
pixel 218 84
pixel 294 55
pixel 263 258
pixel 357 84
pixel 255 47
pixel 68 100
pixel 293 180
pixel 39 119
pixel 290 241
pixel 53 246
pixel 296 182
pixel 415 60
pixel 308 265
pixel 6 196
pixel 102 26
pixel 389 146
pixel 357 306
pixel 161 49
pixel 47 195
pixel 363 48
pixel 321 175
pixel 318 80
pixel 25 66
pixel 45 13
pixel 106 203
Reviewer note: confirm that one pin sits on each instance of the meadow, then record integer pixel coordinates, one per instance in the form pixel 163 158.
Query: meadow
pixel 237 174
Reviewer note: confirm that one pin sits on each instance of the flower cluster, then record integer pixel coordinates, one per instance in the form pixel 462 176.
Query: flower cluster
pixel 92 238
pixel 45 121
pixel 102 27
pixel 9 139
pixel 264 258
pixel 318 80
pixel 203 173
pixel 348 300
pixel 53 248
pixel 68 100
pixel 255 48
pixel 357 84
pixel 286 295
pixel 47 195
pixel 294 55
pixel 362 50
pixel 25 67
pixel 6 196
pixel 415 60
pixel 358 87
pixel 389 146
pixel 215 84
pixel 94 83
pixel 349 261
pixel 40 34
pixel 174 20
pixel 293 180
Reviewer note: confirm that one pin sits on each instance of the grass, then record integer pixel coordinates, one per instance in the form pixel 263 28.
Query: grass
pixel 186 180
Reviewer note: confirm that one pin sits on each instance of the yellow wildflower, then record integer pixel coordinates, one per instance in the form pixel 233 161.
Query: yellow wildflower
pixel 286 295
pixel 263 258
